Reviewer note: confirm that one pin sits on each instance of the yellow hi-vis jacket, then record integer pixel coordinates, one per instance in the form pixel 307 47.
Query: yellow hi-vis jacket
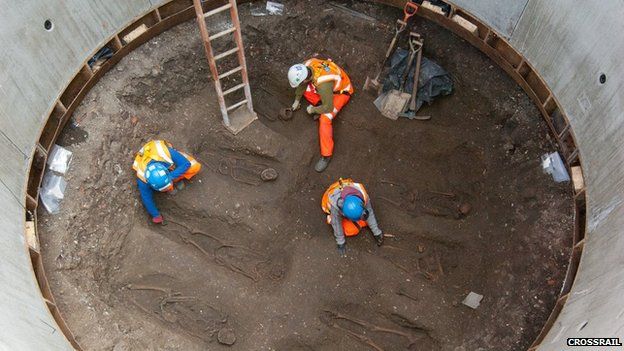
pixel 154 150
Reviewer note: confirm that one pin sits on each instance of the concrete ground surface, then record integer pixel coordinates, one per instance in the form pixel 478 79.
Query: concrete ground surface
pixel 251 262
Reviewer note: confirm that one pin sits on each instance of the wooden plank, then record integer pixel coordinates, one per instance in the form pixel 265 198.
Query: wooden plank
pixel 550 105
pixel 75 86
pixel 467 25
pixel 577 178
pixel 240 118
pixel 484 30
pixel 116 44
pixel 174 7
pixel 537 85
pixel 507 52
pixel 137 32
pixel 580 216
pixel 31 236
pixel 31 203
pixel 36 173
pixel 54 125
pixel 433 8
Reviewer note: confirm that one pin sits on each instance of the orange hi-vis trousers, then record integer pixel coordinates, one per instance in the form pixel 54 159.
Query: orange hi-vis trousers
pixel 192 171
pixel 326 132
pixel 351 228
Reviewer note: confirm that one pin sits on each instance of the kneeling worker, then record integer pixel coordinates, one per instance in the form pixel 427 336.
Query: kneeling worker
pixel 348 210
pixel 158 167
pixel 327 88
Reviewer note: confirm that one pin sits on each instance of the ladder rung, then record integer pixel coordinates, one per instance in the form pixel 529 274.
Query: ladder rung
pixel 227 53
pixel 237 104
pixel 230 72
pixel 233 89
pixel 220 34
pixel 217 10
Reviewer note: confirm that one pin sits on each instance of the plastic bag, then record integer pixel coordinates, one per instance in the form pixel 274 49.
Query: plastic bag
pixel 52 191
pixel 274 8
pixel 553 165
pixel 59 159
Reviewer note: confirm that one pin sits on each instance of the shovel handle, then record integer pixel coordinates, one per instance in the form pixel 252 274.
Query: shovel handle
pixel 409 10
pixel 400 27
pixel 413 41
pixel 412 104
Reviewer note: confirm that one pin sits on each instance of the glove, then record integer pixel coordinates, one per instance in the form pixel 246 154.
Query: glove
pixel 342 250
pixel 379 239
pixel 310 109
pixel 158 219
pixel 296 105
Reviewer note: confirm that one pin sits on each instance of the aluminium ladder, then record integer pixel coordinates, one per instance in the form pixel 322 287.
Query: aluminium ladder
pixel 236 116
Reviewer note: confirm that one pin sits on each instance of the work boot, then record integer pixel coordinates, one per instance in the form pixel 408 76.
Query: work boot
pixel 379 239
pixel 322 163
pixel 177 187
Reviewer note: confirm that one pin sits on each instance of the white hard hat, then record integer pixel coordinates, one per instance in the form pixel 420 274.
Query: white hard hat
pixel 297 74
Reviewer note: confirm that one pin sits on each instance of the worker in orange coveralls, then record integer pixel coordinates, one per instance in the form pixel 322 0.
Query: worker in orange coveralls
pixel 327 88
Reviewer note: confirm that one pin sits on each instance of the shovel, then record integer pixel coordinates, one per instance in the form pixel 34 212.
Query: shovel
pixel 408 11
pixel 394 102
pixel 374 84
pixel 410 110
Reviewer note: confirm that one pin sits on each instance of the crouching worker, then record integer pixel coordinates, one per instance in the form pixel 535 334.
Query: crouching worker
pixel 349 209
pixel 327 88
pixel 160 167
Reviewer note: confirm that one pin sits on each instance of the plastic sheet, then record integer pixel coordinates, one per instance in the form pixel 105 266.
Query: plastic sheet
pixel 100 57
pixel 59 159
pixel 274 8
pixel 271 8
pixel 553 165
pixel 257 11
pixel 433 80
pixel 52 191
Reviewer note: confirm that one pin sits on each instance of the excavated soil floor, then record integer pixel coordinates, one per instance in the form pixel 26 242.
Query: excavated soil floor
pixel 251 262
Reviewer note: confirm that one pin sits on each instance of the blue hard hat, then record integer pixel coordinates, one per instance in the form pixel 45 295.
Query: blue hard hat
pixel 353 207
pixel 157 176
